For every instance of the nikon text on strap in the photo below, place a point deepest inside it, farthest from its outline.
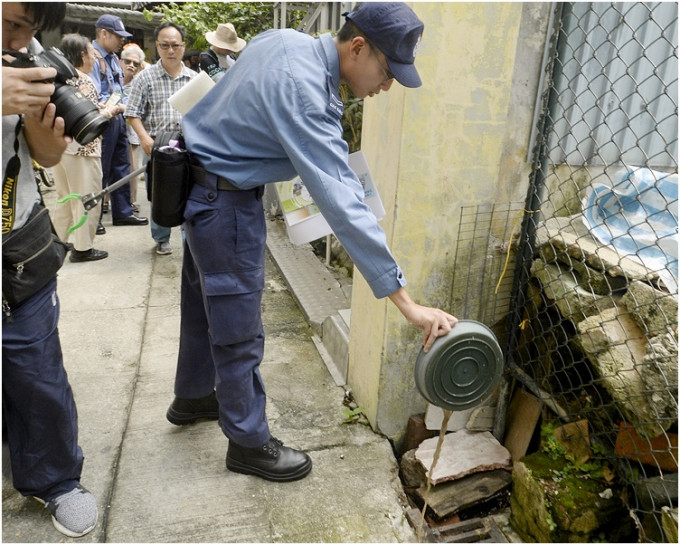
(9, 185)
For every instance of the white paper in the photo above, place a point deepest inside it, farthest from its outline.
(358, 163)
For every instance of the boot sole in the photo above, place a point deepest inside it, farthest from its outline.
(70, 533)
(182, 419)
(238, 467)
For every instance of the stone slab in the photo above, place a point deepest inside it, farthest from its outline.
(462, 453)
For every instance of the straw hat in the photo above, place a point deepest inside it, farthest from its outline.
(225, 37)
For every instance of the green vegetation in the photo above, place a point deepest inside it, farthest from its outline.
(352, 415)
(566, 466)
(351, 121)
(197, 18)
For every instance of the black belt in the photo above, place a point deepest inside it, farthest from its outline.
(198, 174)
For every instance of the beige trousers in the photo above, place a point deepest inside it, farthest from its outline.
(135, 162)
(83, 175)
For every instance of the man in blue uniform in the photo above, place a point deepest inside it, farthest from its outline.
(276, 113)
(107, 75)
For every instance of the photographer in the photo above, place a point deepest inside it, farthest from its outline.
(39, 411)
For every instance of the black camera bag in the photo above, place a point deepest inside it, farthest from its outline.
(170, 183)
(31, 257)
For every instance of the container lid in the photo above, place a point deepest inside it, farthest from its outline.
(462, 368)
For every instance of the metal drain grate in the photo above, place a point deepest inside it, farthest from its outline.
(477, 530)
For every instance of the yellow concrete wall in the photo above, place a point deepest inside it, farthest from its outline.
(450, 143)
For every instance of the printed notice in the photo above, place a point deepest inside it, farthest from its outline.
(304, 220)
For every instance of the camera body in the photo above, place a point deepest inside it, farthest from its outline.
(81, 117)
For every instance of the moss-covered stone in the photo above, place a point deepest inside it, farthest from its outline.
(554, 502)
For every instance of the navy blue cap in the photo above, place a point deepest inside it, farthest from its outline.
(395, 29)
(114, 24)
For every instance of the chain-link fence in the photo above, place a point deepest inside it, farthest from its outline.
(594, 311)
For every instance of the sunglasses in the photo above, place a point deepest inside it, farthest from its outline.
(130, 61)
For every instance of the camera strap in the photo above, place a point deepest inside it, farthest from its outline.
(9, 185)
(100, 61)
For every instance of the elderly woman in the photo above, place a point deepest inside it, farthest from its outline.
(80, 168)
(133, 61)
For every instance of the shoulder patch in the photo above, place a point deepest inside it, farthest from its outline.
(335, 105)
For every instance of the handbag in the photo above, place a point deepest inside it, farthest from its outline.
(31, 257)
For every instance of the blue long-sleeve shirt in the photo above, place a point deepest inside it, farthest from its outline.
(276, 113)
(113, 80)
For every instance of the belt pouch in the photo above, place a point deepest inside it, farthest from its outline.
(31, 257)
(171, 184)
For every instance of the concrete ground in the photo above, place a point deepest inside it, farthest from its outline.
(155, 482)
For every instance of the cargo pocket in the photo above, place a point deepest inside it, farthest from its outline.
(234, 301)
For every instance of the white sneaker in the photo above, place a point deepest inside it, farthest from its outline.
(75, 513)
(163, 248)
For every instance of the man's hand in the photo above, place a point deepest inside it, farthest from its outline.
(144, 137)
(44, 133)
(147, 144)
(433, 321)
(24, 90)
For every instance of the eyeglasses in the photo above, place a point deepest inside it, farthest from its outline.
(174, 47)
(386, 71)
(130, 61)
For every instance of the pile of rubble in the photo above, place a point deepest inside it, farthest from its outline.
(625, 327)
(471, 476)
(619, 320)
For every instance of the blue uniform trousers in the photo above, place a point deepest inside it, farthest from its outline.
(116, 165)
(38, 409)
(221, 335)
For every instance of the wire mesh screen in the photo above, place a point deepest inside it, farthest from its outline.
(593, 332)
(484, 255)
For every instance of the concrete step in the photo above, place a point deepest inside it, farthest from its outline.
(324, 301)
(335, 338)
(312, 285)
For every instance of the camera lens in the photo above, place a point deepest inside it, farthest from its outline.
(81, 117)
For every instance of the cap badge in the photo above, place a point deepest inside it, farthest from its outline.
(415, 48)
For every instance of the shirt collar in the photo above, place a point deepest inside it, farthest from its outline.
(104, 53)
(163, 72)
(331, 57)
(99, 48)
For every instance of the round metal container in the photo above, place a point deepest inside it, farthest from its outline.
(461, 369)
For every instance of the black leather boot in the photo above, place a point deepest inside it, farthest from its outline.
(271, 461)
(187, 411)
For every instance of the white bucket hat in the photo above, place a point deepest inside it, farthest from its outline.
(225, 37)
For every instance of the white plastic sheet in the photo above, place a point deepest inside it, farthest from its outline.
(638, 217)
